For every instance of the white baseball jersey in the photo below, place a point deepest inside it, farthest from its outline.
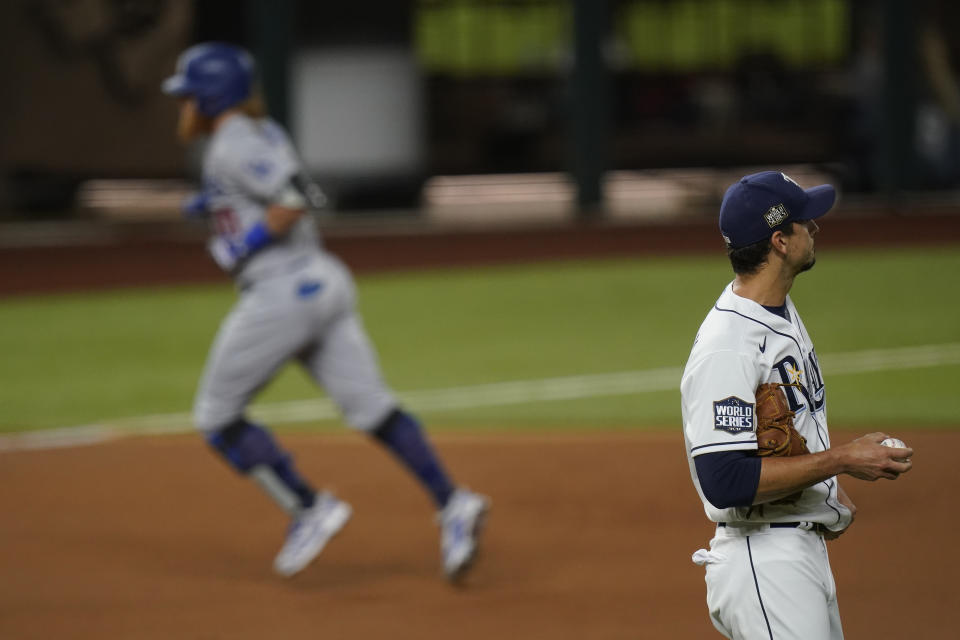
(739, 346)
(762, 581)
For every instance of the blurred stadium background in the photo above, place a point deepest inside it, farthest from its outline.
(528, 190)
(436, 109)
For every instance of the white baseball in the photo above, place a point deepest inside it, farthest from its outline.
(895, 443)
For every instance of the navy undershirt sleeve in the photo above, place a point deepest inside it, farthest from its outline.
(729, 478)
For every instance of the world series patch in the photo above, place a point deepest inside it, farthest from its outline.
(733, 415)
(775, 215)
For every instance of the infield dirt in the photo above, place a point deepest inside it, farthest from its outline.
(590, 537)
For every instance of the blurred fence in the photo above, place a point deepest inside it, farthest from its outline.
(389, 96)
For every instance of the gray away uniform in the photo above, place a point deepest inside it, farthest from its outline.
(296, 300)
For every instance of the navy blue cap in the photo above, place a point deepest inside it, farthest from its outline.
(757, 205)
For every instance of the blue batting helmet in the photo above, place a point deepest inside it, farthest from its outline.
(216, 75)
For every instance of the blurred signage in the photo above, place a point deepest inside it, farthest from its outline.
(470, 37)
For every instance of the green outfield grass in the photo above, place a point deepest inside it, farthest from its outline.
(76, 359)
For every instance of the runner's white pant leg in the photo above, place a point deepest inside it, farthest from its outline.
(774, 584)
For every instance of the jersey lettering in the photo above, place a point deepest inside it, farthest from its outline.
(225, 222)
(791, 373)
(816, 379)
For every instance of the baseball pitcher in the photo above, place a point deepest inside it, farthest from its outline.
(755, 427)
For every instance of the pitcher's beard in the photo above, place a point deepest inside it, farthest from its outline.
(808, 265)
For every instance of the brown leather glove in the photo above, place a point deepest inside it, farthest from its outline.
(776, 435)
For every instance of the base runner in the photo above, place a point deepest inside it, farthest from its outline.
(297, 303)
